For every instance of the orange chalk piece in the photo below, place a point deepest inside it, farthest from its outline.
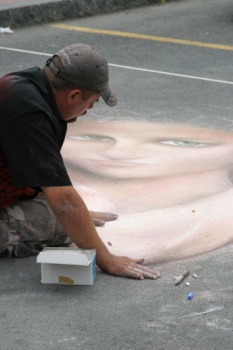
(180, 278)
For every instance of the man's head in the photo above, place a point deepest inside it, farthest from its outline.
(81, 66)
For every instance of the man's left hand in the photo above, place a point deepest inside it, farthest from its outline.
(99, 218)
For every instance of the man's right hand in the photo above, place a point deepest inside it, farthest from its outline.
(123, 266)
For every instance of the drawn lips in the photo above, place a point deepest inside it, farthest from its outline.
(115, 163)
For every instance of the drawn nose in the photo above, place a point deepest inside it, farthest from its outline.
(121, 150)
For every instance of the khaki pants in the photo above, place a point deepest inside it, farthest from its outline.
(28, 226)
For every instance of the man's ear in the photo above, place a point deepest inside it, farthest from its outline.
(73, 96)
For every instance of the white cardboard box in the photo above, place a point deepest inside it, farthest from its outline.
(70, 266)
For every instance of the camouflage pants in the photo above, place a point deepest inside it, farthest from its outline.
(28, 226)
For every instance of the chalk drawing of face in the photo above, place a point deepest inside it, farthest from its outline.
(169, 183)
(137, 149)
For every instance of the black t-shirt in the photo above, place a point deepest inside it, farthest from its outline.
(31, 130)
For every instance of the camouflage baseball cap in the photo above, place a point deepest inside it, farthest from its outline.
(84, 67)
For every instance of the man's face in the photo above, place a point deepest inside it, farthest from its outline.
(80, 104)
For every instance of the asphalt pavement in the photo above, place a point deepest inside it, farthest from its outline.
(172, 62)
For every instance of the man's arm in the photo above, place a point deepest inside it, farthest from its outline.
(73, 215)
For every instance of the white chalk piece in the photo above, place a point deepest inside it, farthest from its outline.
(69, 266)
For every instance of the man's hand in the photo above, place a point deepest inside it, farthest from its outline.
(126, 267)
(99, 218)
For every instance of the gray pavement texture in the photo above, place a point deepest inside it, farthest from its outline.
(18, 13)
(118, 313)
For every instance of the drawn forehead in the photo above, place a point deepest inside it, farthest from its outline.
(114, 129)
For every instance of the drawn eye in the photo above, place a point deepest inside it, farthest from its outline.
(93, 138)
(184, 143)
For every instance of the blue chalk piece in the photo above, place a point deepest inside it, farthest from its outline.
(190, 296)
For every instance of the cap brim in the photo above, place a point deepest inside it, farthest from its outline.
(109, 97)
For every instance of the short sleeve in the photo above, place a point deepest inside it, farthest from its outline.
(31, 145)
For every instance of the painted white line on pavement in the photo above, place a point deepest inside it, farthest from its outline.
(130, 68)
(173, 74)
(25, 51)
